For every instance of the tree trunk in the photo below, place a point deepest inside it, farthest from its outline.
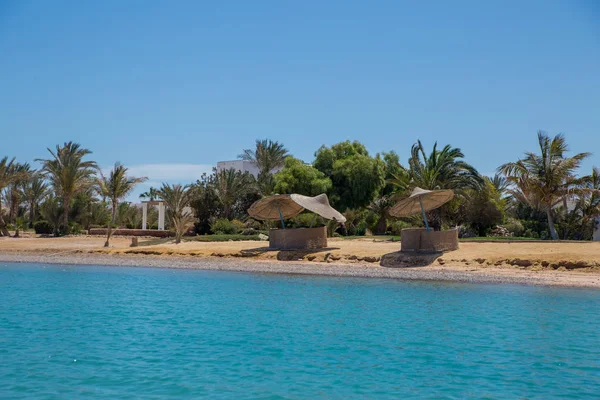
(66, 208)
(381, 226)
(114, 218)
(31, 214)
(551, 227)
(3, 228)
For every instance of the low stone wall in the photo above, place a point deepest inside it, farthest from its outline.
(419, 240)
(132, 232)
(298, 238)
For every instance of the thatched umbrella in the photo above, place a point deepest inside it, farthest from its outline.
(421, 200)
(283, 206)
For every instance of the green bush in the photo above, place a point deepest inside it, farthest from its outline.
(249, 231)
(238, 225)
(515, 227)
(395, 227)
(76, 229)
(223, 226)
(529, 233)
(43, 228)
(306, 220)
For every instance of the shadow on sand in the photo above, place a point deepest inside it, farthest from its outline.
(286, 255)
(400, 259)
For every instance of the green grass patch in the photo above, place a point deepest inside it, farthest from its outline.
(497, 239)
(200, 238)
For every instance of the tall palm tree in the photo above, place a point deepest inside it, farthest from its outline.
(267, 156)
(177, 199)
(150, 195)
(229, 186)
(545, 180)
(52, 211)
(440, 169)
(23, 173)
(116, 186)
(68, 173)
(34, 190)
(7, 178)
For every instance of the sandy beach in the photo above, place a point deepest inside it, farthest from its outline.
(539, 263)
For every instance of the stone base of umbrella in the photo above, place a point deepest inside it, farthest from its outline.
(419, 240)
(425, 240)
(282, 207)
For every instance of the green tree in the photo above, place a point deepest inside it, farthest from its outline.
(34, 190)
(356, 177)
(484, 208)
(150, 195)
(545, 180)
(230, 186)
(116, 186)
(8, 177)
(68, 173)
(52, 211)
(440, 169)
(177, 200)
(22, 174)
(267, 156)
(301, 178)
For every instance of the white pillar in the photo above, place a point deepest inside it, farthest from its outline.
(596, 237)
(144, 216)
(161, 216)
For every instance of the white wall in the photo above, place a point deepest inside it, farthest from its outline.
(241, 165)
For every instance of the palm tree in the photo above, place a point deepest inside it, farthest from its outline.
(23, 173)
(7, 178)
(34, 190)
(545, 180)
(441, 169)
(150, 195)
(68, 173)
(267, 156)
(177, 199)
(229, 186)
(52, 212)
(116, 186)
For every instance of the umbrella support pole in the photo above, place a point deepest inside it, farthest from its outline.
(281, 218)
(313, 220)
(424, 216)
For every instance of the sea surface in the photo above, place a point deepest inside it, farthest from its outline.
(85, 332)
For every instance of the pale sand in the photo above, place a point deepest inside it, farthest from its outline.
(568, 264)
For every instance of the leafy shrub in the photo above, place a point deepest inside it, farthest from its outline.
(238, 225)
(466, 232)
(76, 229)
(395, 227)
(529, 233)
(223, 226)
(306, 220)
(515, 227)
(43, 228)
(249, 231)
(252, 223)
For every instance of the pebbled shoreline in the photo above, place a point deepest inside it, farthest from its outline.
(430, 273)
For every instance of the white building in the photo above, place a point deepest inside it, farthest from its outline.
(242, 166)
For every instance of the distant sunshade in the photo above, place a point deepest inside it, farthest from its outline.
(430, 199)
(289, 205)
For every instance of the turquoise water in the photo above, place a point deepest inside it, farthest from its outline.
(108, 333)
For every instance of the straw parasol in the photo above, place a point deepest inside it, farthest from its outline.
(319, 205)
(273, 208)
(421, 200)
(283, 206)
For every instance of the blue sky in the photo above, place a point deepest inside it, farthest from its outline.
(170, 88)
